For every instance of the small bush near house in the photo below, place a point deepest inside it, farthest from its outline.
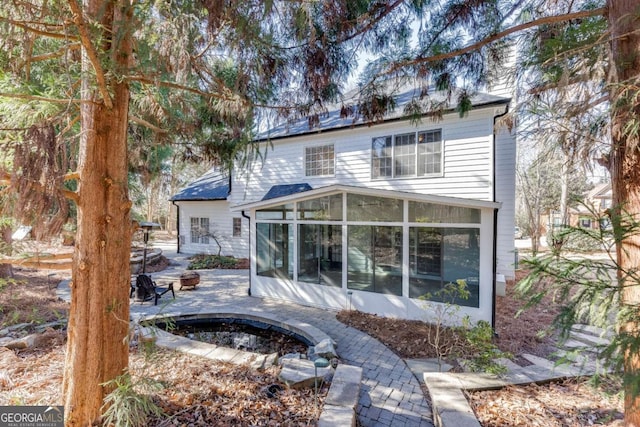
(206, 262)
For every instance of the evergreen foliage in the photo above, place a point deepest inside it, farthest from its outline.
(590, 288)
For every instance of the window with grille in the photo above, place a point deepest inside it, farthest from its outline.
(407, 155)
(319, 161)
(200, 230)
(237, 227)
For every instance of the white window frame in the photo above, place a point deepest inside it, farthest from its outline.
(197, 225)
(327, 166)
(237, 227)
(428, 159)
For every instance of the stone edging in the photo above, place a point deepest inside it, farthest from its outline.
(309, 332)
(450, 405)
(340, 405)
(343, 395)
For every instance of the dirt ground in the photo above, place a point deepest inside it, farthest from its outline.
(530, 332)
(204, 393)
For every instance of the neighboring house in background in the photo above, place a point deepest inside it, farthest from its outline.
(371, 217)
(586, 215)
(589, 214)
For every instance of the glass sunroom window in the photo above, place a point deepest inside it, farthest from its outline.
(328, 208)
(320, 254)
(444, 255)
(375, 259)
(435, 213)
(371, 208)
(276, 212)
(274, 250)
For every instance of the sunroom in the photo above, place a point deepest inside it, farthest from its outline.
(395, 254)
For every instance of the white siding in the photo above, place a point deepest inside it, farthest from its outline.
(220, 223)
(506, 194)
(466, 172)
(467, 168)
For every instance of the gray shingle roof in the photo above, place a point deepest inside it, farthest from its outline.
(210, 186)
(286, 190)
(404, 94)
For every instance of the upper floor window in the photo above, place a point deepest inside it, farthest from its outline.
(200, 230)
(319, 160)
(410, 154)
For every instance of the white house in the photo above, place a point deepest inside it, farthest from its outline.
(377, 218)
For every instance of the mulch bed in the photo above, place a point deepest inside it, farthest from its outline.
(568, 403)
(202, 392)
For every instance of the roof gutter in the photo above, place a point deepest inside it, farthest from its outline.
(173, 202)
(250, 272)
(359, 125)
(495, 224)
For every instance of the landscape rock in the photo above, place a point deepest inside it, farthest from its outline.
(28, 341)
(289, 356)
(325, 348)
(301, 373)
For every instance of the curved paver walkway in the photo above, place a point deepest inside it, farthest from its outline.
(390, 395)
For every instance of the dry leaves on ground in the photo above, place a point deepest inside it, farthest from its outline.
(195, 391)
(29, 297)
(202, 392)
(528, 333)
(569, 403)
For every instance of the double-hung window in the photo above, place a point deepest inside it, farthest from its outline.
(200, 230)
(407, 155)
(429, 152)
(319, 160)
(237, 227)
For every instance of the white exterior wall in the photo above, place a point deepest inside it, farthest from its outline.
(467, 169)
(220, 222)
(467, 160)
(506, 194)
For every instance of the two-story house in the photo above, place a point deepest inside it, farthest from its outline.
(378, 218)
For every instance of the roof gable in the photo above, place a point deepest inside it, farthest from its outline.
(286, 190)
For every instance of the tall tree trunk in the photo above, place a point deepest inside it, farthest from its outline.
(6, 270)
(625, 174)
(97, 348)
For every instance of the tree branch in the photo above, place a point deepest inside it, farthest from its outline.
(164, 83)
(147, 124)
(92, 55)
(498, 36)
(60, 52)
(44, 99)
(24, 26)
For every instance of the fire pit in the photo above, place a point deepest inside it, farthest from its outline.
(189, 280)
